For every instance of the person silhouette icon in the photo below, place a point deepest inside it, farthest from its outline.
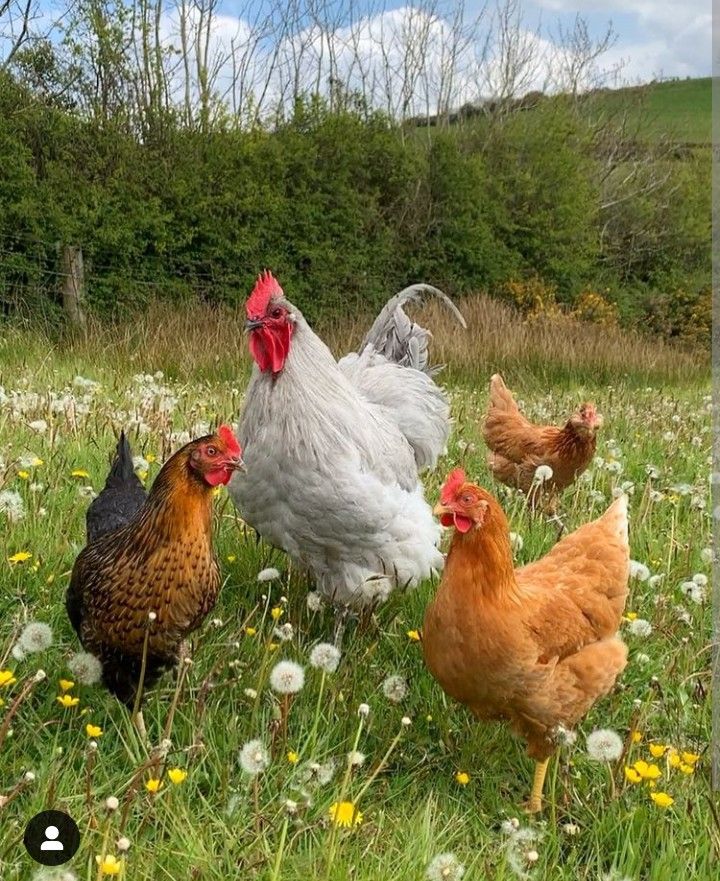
(52, 837)
(52, 833)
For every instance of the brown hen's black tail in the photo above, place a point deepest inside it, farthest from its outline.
(121, 498)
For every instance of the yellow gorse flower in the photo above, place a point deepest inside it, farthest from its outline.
(462, 778)
(66, 685)
(109, 865)
(177, 775)
(67, 701)
(344, 813)
(414, 635)
(93, 730)
(7, 677)
(20, 557)
(79, 472)
(662, 799)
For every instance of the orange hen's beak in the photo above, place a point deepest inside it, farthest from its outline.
(441, 509)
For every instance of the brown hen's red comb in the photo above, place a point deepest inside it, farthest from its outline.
(225, 433)
(266, 287)
(452, 484)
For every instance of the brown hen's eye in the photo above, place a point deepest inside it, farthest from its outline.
(211, 451)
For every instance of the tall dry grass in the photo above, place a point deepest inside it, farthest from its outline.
(204, 341)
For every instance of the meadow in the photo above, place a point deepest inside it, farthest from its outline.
(426, 779)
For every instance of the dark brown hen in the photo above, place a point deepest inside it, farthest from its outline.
(161, 561)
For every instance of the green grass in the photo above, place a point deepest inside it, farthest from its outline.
(214, 825)
(679, 110)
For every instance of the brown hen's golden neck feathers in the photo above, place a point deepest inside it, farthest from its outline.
(480, 560)
(180, 500)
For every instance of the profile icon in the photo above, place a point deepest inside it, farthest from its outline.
(52, 838)
(52, 833)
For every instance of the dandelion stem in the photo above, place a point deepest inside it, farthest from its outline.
(310, 742)
(16, 704)
(341, 798)
(380, 766)
(281, 849)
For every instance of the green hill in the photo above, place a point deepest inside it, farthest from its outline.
(680, 110)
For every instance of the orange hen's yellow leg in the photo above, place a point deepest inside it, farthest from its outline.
(534, 803)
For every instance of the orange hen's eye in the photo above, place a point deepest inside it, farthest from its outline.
(467, 499)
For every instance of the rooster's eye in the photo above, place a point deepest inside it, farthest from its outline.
(276, 313)
(211, 451)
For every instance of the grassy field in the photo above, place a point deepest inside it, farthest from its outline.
(678, 110)
(62, 404)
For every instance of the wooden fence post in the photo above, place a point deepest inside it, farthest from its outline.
(73, 286)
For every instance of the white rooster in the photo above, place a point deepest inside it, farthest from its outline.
(333, 449)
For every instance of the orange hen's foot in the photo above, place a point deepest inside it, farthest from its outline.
(534, 804)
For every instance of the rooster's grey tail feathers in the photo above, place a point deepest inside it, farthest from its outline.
(398, 338)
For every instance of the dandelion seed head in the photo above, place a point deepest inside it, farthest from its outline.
(543, 473)
(640, 627)
(86, 668)
(12, 505)
(269, 574)
(314, 601)
(287, 677)
(36, 637)
(395, 689)
(700, 578)
(356, 759)
(254, 758)
(604, 745)
(445, 867)
(123, 844)
(639, 571)
(325, 656)
(112, 803)
(284, 632)
(364, 710)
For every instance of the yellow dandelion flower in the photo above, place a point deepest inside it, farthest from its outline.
(79, 472)
(231, 558)
(686, 769)
(153, 785)
(344, 813)
(690, 758)
(50, 579)
(20, 557)
(143, 475)
(273, 646)
(632, 776)
(647, 771)
(636, 736)
(7, 678)
(93, 730)
(293, 757)
(109, 865)
(662, 799)
(428, 718)
(24, 475)
(66, 685)
(674, 758)
(151, 457)
(631, 616)
(67, 701)
(276, 612)
(657, 750)
(462, 778)
(177, 775)
(37, 462)
(413, 635)
(250, 631)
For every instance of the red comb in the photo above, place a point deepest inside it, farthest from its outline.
(266, 287)
(452, 484)
(225, 433)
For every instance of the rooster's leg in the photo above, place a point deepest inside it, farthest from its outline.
(534, 804)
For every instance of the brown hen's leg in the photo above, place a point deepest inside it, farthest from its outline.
(534, 804)
(139, 723)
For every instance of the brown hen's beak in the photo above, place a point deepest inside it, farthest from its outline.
(441, 509)
(253, 324)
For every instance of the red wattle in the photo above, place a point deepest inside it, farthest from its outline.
(218, 476)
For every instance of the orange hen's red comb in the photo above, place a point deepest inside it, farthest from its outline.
(266, 287)
(225, 433)
(452, 484)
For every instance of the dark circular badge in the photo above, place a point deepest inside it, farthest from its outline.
(52, 838)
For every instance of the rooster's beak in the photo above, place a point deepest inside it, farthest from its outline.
(253, 324)
(441, 509)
